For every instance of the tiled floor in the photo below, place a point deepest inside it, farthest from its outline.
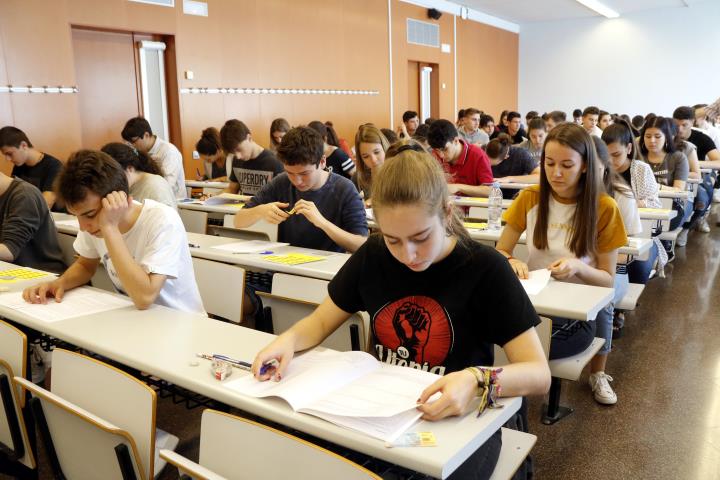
(666, 367)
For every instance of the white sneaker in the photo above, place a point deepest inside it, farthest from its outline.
(703, 226)
(682, 238)
(603, 392)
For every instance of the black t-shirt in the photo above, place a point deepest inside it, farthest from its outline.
(42, 175)
(519, 137)
(339, 162)
(703, 143)
(442, 319)
(217, 171)
(626, 175)
(519, 162)
(253, 174)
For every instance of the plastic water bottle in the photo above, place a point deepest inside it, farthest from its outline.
(495, 207)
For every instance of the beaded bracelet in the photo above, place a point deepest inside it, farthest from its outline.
(488, 387)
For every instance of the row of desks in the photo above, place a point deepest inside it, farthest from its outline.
(163, 342)
(575, 301)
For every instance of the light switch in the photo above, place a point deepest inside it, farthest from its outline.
(189, 74)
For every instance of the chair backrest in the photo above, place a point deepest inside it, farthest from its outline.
(13, 361)
(286, 312)
(261, 226)
(66, 242)
(195, 221)
(84, 443)
(221, 288)
(253, 447)
(110, 394)
(544, 331)
(300, 288)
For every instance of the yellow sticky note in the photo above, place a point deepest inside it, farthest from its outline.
(482, 200)
(19, 274)
(476, 226)
(292, 258)
(236, 205)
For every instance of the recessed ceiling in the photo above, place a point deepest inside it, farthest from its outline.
(530, 11)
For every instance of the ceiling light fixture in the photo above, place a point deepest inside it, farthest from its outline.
(600, 8)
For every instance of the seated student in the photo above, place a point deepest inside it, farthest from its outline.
(395, 277)
(460, 118)
(313, 207)
(278, 128)
(514, 128)
(536, 138)
(638, 174)
(702, 123)
(336, 160)
(554, 118)
(590, 118)
(467, 165)
(390, 135)
(410, 122)
(30, 164)
(620, 191)
(574, 229)
(470, 129)
(637, 123)
(502, 127)
(511, 164)
(143, 246)
(209, 147)
(370, 145)
(577, 116)
(530, 115)
(421, 137)
(336, 141)
(604, 119)
(669, 165)
(27, 232)
(144, 176)
(487, 124)
(253, 166)
(138, 133)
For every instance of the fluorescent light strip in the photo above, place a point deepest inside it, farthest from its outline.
(36, 90)
(275, 91)
(600, 8)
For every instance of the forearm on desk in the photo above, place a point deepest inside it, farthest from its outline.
(246, 217)
(5, 253)
(79, 273)
(349, 241)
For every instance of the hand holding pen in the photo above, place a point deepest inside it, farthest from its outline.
(272, 361)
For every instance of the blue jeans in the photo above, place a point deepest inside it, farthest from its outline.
(570, 337)
(703, 200)
(639, 270)
(684, 209)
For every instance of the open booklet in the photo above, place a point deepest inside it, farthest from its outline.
(351, 389)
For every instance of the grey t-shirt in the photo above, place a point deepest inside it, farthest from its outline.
(255, 173)
(477, 137)
(155, 188)
(337, 200)
(28, 230)
(673, 167)
(535, 153)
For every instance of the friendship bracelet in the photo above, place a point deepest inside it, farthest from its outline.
(488, 387)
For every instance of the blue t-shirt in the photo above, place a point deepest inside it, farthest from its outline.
(337, 200)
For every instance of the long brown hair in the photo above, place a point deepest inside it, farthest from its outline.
(367, 133)
(410, 176)
(583, 240)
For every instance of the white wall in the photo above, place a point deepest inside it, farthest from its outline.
(647, 61)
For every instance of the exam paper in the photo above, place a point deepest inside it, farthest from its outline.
(536, 281)
(70, 222)
(76, 303)
(249, 246)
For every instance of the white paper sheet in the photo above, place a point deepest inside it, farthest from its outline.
(76, 303)
(249, 246)
(71, 222)
(537, 280)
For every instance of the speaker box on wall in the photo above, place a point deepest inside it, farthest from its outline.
(434, 13)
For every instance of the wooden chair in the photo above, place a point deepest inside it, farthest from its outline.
(252, 454)
(116, 397)
(222, 288)
(15, 444)
(79, 444)
(292, 298)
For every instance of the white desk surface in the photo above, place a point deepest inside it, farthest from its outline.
(206, 184)
(163, 342)
(476, 202)
(228, 209)
(323, 269)
(665, 214)
(674, 194)
(635, 245)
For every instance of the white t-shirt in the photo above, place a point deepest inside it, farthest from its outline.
(158, 243)
(169, 158)
(595, 131)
